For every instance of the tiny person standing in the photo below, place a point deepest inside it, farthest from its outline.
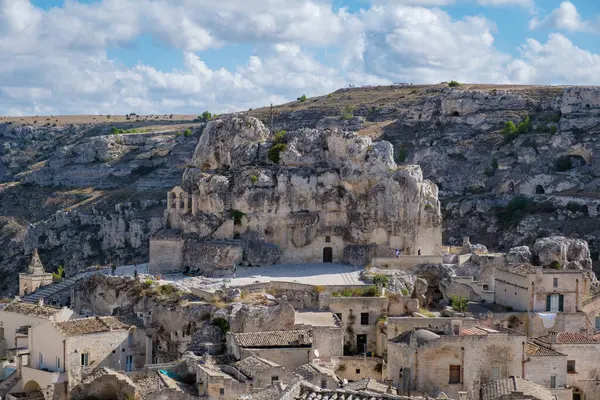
(397, 253)
(234, 270)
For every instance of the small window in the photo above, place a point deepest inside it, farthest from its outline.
(456, 329)
(58, 363)
(327, 239)
(358, 370)
(486, 287)
(2, 333)
(364, 318)
(41, 360)
(274, 379)
(454, 374)
(495, 373)
(323, 383)
(339, 315)
(597, 322)
(84, 359)
(221, 391)
(553, 382)
(571, 366)
(555, 283)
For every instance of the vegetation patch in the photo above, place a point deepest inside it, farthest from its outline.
(459, 304)
(302, 98)
(347, 112)
(512, 131)
(369, 291)
(453, 84)
(274, 153)
(237, 216)
(222, 324)
(400, 153)
(381, 280)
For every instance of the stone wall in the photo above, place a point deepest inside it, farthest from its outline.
(290, 358)
(586, 358)
(328, 341)
(476, 355)
(405, 261)
(357, 368)
(539, 369)
(512, 290)
(399, 325)
(165, 255)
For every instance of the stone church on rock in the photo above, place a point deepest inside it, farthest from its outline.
(257, 198)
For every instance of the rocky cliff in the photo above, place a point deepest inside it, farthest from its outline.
(503, 185)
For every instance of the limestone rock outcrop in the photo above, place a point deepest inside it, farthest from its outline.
(573, 253)
(306, 195)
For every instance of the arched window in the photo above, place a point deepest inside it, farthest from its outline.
(327, 239)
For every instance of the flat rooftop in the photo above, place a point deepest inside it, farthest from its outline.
(315, 319)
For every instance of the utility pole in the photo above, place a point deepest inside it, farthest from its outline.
(272, 119)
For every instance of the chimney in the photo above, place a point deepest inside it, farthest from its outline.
(41, 302)
(552, 337)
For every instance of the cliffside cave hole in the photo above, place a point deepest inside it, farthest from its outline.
(577, 160)
(511, 187)
(539, 189)
(327, 254)
(455, 114)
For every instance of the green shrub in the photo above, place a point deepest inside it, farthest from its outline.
(237, 216)
(178, 133)
(147, 283)
(515, 210)
(279, 136)
(400, 154)
(381, 279)
(404, 291)
(187, 132)
(453, 84)
(369, 291)
(555, 265)
(167, 290)
(459, 304)
(274, 152)
(524, 126)
(205, 117)
(553, 129)
(347, 112)
(59, 274)
(563, 163)
(222, 324)
(254, 178)
(302, 98)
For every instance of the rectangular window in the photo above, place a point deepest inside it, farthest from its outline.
(274, 379)
(597, 322)
(456, 329)
(222, 391)
(555, 283)
(364, 318)
(1, 333)
(495, 373)
(323, 384)
(555, 302)
(58, 363)
(553, 382)
(84, 359)
(571, 366)
(41, 360)
(454, 374)
(339, 315)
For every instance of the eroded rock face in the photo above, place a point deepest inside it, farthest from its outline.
(518, 255)
(327, 195)
(565, 251)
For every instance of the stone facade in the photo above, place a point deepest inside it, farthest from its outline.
(424, 361)
(329, 199)
(35, 277)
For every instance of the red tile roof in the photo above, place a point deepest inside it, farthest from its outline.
(567, 338)
(477, 331)
(300, 338)
(534, 349)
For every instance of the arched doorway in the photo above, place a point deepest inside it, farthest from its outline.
(576, 393)
(327, 254)
(31, 386)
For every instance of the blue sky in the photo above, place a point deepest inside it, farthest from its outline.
(181, 56)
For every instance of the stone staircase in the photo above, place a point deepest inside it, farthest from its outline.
(48, 291)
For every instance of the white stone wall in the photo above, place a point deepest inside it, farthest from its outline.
(512, 290)
(46, 339)
(570, 285)
(165, 255)
(374, 306)
(587, 361)
(430, 363)
(290, 358)
(329, 342)
(357, 368)
(539, 369)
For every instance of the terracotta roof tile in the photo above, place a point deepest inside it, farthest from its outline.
(502, 387)
(299, 338)
(477, 331)
(32, 310)
(534, 349)
(85, 326)
(566, 338)
(252, 365)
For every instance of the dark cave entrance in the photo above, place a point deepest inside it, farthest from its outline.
(539, 189)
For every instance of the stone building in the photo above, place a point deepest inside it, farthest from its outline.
(583, 361)
(35, 276)
(62, 354)
(16, 318)
(432, 362)
(327, 196)
(514, 388)
(548, 368)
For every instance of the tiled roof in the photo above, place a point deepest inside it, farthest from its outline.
(85, 326)
(501, 387)
(300, 338)
(368, 385)
(477, 331)
(273, 392)
(32, 310)
(534, 349)
(309, 392)
(566, 338)
(252, 365)
(311, 370)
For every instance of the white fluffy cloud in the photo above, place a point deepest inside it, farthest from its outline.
(55, 61)
(565, 17)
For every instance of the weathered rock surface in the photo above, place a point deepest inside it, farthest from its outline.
(518, 255)
(566, 251)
